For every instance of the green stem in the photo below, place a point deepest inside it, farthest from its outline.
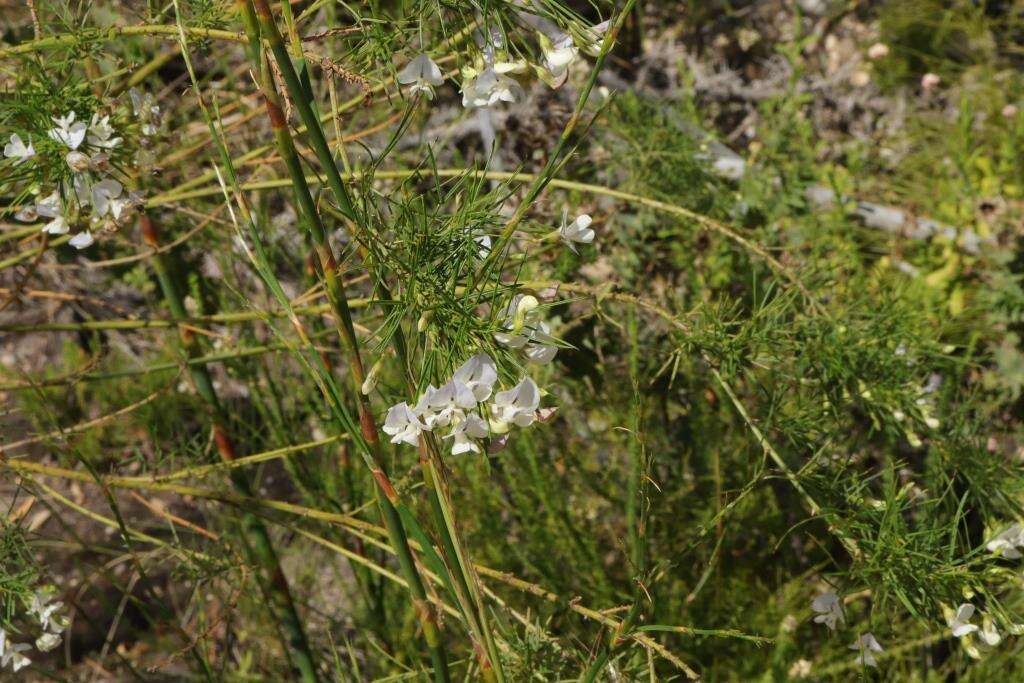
(257, 538)
(371, 451)
(318, 142)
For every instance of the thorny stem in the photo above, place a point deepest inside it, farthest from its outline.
(258, 543)
(372, 453)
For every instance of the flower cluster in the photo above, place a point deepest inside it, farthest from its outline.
(47, 613)
(488, 81)
(88, 195)
(459, 406)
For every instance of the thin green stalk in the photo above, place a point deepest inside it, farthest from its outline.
(257, 538)
(372, 452)
(300, 96)
(271, 34)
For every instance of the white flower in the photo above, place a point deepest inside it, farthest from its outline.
(402, 424)
(82, 240)
(50, 207)
(559, 53)
(464, 433)
(540, 348)
(866, 645)
(101, 133)
(829, 608)
(525, 331)
(104, 196)
(516, 406)
(423, 74)
(441, 407)
(959, 621)
(988, 632)
(577, 231)
(489, 87)
(57, 226)
(16, 149)
(10, 653)
(479, 374)
(14, 657)
(1007, 543)
(518, 314)
(68, 131)
(47, 642)
(145, 110)
(45, 610)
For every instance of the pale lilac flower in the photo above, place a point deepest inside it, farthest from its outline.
(479, 374)
(578, 230)
(68, 131)
(14, 657)
(82, 240)
(50, 207)
(559, 53)
(516, 406)
(423, 74)
(1009, 111)
(1008, 543)
(441, 407)
(484, 245)
(866, 645)
(403, 425)
(27, 214)
(488, 88)
(144, 108)
(959, 622)
(930, 81)
(540, 347)
(101, 133)
(45, 610)
(591, 38)
(465, 432)
(829, 607)
(104, 196)
(18, 150)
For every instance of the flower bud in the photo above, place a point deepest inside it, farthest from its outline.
(370, 383)
(523, 308)
(77, 161)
